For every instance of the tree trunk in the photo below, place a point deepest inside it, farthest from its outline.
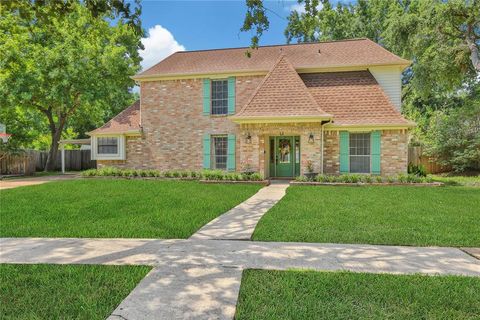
(56, 134)
(52, 153)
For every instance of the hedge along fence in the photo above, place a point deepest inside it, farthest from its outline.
(209, 175)
(351, 179)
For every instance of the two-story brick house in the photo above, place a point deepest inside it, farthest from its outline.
(334, 105)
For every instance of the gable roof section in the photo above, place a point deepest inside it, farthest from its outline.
(281, 95)
(354, 98)
(127, 121)
(344, 53)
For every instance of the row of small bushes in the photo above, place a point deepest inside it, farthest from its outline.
(196, 175)
(361, 178)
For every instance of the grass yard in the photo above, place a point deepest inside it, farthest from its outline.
(395, 215)
(456, 180)
(64, 291)
(110, 208)
(341, 295)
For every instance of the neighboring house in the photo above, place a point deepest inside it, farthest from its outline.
(334, 105)
(4, 136)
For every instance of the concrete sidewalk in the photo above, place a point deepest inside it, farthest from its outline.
(240, 222)
(200, 279)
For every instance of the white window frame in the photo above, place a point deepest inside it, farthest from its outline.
(120, 155)
(369, 155)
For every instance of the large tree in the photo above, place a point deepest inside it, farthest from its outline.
(66, 60)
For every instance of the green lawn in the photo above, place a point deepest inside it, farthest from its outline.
(396, 215)
(341, 295)
(456, 180)
(110, 208)
(64, 291)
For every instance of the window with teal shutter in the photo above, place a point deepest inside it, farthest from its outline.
(206, 151)
(206, 96)
(344, 152)
(231, 95)
(375, 155)
(231, 152)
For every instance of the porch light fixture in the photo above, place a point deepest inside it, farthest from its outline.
(248, 139)
(311, 138)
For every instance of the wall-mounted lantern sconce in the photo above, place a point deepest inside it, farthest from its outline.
(282, 133)
(248, 138)
(311, 138)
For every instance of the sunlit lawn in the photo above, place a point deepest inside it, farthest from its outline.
(109, 208)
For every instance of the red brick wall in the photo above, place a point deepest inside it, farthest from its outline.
(173, 124)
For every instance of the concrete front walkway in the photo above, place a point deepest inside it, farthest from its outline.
(200, 279)
(239, 223)
(30, 181)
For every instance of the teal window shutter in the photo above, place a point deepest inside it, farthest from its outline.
(206, 151)
(344, 152)
(231, 152)
(207, 87)
(231, 95)
(375, 151)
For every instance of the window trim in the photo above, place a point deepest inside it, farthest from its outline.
(213, 156)
(211, 98)
(369, 155)
(119, 155)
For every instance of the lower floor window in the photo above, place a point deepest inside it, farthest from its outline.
(107, 145)
(359, 152)
(219, 152)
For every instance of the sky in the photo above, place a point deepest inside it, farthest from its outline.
(195, 25)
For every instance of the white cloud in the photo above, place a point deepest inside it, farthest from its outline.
(159, 44)
(300, 7)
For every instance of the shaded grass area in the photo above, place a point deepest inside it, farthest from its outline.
(472, 180)
(395, 215)
(101, 208)
(65, 291)
(341, 295)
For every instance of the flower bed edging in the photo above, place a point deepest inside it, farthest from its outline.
(363, 184)
(260, 182)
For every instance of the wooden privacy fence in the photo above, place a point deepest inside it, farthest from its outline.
(416, 157)
(21, 163)
(29, 161)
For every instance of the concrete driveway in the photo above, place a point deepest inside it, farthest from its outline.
(30, 181)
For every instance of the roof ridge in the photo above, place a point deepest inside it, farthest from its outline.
(273, 45)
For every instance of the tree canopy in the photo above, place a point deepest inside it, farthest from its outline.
(67, 63)
(442, 38)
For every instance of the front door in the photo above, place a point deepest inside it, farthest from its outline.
(284, 156)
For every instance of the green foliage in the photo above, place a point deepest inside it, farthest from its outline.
(194, 175)
(418, 170)
(66, 63)
(366, 179)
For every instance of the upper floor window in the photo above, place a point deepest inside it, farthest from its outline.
(107, 145)
(219, 97)
(360, 152)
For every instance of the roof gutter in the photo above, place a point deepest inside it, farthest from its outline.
(277, 119)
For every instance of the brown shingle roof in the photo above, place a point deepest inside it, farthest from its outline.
(353, 98)
(345, 53)
(126, 121)
(282, 93)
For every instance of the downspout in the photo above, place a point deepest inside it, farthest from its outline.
(321, 144)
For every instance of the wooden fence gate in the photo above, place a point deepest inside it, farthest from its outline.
(29, 161)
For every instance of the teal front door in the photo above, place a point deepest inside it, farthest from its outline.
(284, 156)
